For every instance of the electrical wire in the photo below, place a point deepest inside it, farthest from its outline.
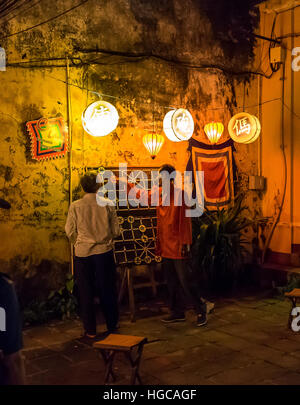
(274, 66)
(80, 64)
(292, 111)
(46, 21)
(186, 64)
(21, 12)
(18, 4)
(132, 58)
(100, 94)
(7, 4)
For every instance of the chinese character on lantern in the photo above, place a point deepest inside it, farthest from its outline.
(178, 125)
(244, 128)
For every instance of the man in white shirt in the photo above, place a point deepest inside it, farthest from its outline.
(92, 228)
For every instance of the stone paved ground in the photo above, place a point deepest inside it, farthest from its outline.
(245, 342)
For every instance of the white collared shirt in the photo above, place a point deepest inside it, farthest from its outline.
(91, 227)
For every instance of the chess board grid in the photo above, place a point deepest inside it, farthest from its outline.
(131, 250)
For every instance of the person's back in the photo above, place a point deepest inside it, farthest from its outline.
(173, 229)
(92, 224)
(94, 229)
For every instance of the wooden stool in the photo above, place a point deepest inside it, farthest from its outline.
(294, 296)
(131, 346)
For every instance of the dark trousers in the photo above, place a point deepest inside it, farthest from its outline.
(96, 276)
(178, 273)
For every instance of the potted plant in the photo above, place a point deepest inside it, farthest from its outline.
(219, 246)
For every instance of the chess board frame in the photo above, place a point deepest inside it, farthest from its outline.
(136, 245)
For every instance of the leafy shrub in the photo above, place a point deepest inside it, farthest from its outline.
(60, 304)
(219, 246)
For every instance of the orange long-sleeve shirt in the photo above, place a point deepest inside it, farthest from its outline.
(174, 229)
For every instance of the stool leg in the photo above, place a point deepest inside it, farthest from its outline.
(290, 314)
(290, 320)
(135, 364)
(108, 357)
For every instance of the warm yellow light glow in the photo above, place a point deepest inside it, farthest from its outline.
(244, 128)
(214, 131)
(178, 125)
(153, 143)
(100, 118)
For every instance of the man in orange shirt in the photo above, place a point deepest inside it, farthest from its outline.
(174, 237)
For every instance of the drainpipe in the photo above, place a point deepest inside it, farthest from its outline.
(69, 120)
(292, 137)
(282, 147)
(259, 147)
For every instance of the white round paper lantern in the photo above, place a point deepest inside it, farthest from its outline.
(100, 118)
(178, 125)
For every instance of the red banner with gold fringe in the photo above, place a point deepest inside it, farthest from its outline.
(217, 163)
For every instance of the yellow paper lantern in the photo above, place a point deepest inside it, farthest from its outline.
(178, 125)
(153, 143)
(214, 131)
(244, 128)
(100, 118)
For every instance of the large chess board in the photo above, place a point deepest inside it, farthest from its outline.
(136, 245)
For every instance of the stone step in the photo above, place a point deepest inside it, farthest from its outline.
(273, 274)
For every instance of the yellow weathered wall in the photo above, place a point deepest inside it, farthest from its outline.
(33, 246)
(287, 233)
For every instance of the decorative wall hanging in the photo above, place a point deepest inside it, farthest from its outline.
(153, 143)
(217, 163)
(49, 138)
(214, 131)
(100, 118)
(178, 125)
(244, 128)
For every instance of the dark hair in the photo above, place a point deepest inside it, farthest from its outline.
(88, 183)
(167, 168)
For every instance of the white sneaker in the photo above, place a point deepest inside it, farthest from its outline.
(209, 307)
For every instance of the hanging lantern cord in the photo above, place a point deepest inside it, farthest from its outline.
(96, 92)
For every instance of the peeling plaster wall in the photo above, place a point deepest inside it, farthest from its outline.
(33, 246)
(285, 242)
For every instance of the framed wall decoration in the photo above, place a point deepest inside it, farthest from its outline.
(49, 138)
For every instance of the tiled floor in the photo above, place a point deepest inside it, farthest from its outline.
(246, 341)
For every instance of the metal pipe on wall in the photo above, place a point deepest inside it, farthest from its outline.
(292, 136)
(69, 120)
(282, 147)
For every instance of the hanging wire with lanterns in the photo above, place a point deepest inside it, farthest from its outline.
(101, 118)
